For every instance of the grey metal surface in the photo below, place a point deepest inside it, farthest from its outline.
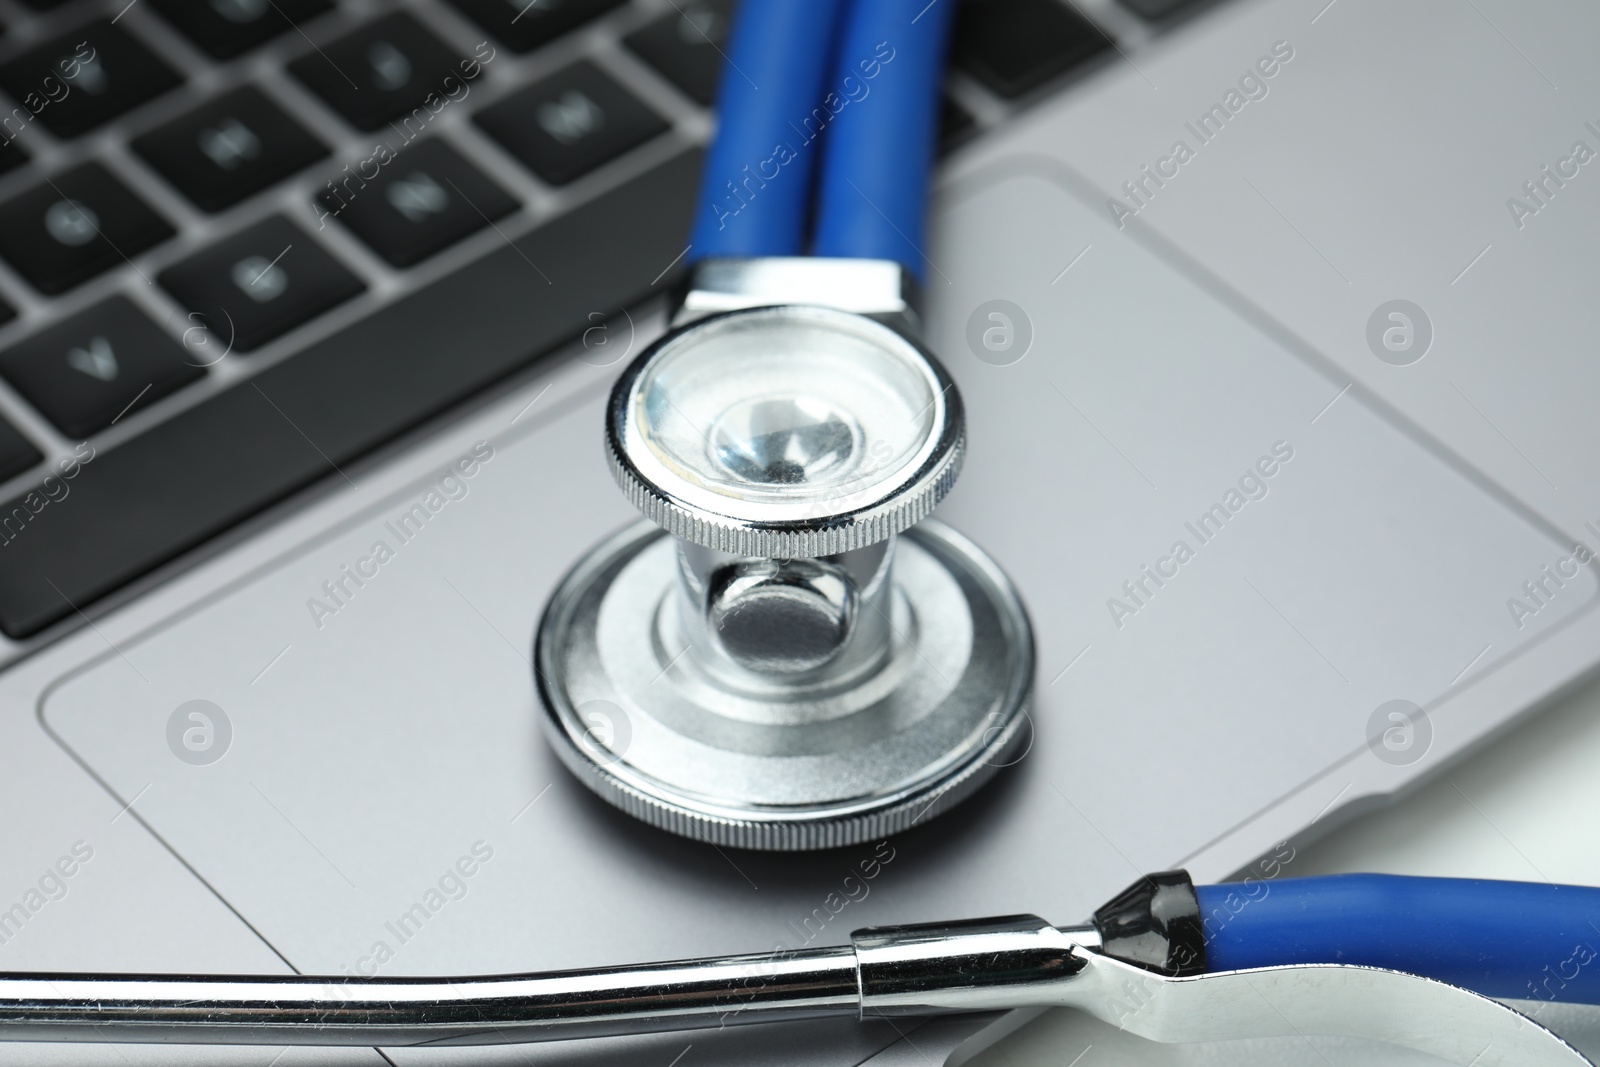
(403, 731)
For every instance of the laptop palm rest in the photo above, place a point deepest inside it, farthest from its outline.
(1233, 564)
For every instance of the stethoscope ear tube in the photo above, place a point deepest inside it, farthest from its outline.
(1510, 940)
(873, 191)
(755, 191)
(828, 116)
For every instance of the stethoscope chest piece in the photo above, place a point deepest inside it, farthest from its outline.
(784, 656)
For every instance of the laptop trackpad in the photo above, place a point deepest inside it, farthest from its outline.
(1231, 562)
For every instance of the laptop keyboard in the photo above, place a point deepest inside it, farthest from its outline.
(568, 137)
(229, 28)
(75, 225)
(523, 27)
(1015, 46)
(98, 381)
(229, 148)
(87, 77)
(381, 72)
(246, 242)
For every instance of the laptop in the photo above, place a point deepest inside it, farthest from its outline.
(1274, 324)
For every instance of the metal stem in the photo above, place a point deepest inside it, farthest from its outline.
(906, 971)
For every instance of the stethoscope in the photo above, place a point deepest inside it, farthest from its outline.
(786, 654)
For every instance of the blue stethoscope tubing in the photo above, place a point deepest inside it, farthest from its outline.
(1509, 940)
(828, 119)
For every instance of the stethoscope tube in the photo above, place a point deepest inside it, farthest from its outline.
(843, 96)
(1510, 940)
(850, 87)
(828, 115)
(873, 190)
(755, 190)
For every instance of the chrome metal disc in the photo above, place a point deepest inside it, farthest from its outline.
(633, 713)
(786, 431)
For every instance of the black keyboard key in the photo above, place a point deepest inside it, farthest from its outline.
(1014, 46)
(956, 124)
(524, 25)
(1154, 9)
(215, 464)
(16, 456)
(11, 154)
(230, 148)
(388, 68)
(227, 28)
(259, 283)
(686, 46)
(424, 200)
(74, 226)
(570, 123)
(105, 70)
(89, 371)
